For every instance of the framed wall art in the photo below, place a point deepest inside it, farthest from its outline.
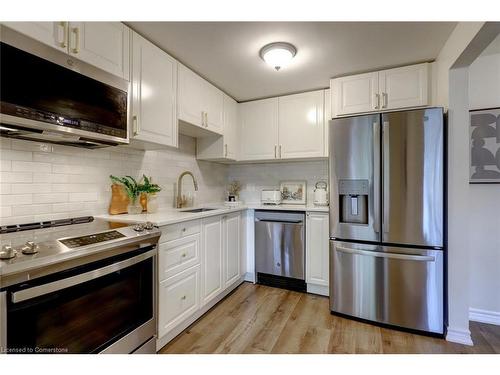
(484, 146)
(293, 192)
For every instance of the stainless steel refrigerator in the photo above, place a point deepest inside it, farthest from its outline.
(387, 218)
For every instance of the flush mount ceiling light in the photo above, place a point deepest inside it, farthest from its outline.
(278, 54)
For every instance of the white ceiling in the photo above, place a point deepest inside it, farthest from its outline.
(227, 53)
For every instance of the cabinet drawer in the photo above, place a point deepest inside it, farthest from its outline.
(178, 255)
(176, 231)
(178, 298)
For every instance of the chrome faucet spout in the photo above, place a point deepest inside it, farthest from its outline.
(181, 200)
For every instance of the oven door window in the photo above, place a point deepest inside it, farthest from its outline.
(85, 318)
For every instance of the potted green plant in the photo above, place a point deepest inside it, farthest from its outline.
(150, 189)
(133, 190)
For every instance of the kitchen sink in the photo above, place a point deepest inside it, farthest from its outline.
(197, 210)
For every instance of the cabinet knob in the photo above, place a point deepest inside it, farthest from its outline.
(184, 255)
(278, 264)
(183, 297)
(183, 229)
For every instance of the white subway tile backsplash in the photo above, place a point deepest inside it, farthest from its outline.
(16, 155)
(5, 188)
(50, 198)
(68, 207)
(16, 177)
(82, 197)
(15, 199)
(5, 165)
(30, 166)
(5, 212)
(30, 188)
(31, 209)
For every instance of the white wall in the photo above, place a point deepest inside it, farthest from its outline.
(484, 200)
(43, 182)
(255, 177)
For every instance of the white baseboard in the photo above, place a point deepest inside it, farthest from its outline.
(484, 316)
(318, 289)
(460, 336)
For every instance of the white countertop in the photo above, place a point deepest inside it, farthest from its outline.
(173, 216)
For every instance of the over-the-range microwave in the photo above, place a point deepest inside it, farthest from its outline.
(47, 95)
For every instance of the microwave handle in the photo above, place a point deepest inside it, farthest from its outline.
(54, 286)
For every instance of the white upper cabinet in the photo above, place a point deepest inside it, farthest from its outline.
(104, 45)
(53, 34)
(223, 147)
(259, 129)
(355, 94)
(154, 88)
(301, 125)
(404, 87)
(389, 89)
(200, 103)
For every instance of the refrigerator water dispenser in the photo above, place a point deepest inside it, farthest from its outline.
(353, 201)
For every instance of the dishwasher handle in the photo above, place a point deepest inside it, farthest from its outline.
(280, 221)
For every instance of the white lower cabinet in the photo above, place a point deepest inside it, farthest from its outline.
(232, 248)
(199, 262)
(317, 253)
(212, 257)
(178, 299)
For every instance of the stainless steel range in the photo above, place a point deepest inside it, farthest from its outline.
(79, 285)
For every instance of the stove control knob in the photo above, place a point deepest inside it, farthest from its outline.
(30, 248)
(138, 227)
(149, 225)
(7, 252)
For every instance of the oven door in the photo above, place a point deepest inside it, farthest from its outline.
(105, 306)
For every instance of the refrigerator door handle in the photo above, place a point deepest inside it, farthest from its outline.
(418, 258)
(376, 177)
(386, 177)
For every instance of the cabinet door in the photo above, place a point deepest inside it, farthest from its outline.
(178, 298)
(213, 100)
(191, 89)
(102, 44)
(317, 253)
(355, 94)
(53, 34)
(232, 246)
(328, 117)
(154, 87)
(404, 87)
(301, 125)
(259, 129)
(230, 128)
(212, 258)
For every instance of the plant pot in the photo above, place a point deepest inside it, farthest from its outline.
(134, 208)
(144, 201)
(119, 200)
(152, 203)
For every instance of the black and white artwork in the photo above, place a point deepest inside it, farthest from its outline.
(485, 146)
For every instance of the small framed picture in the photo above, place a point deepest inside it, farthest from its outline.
(293, 192)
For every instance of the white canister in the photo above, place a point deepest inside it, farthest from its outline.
(321, 194)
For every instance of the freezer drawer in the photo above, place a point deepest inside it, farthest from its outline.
(392, 285)
(279, 244)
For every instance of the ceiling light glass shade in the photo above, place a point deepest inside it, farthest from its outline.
(278, 55)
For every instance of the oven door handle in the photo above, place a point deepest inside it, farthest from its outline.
(54, 286)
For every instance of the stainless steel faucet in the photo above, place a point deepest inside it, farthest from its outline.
(181, 200)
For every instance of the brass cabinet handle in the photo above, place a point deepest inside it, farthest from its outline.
(134, 125)
(64, 42)
(377, 101)
(384, 100)
(275, 147)
(206, 119)
(76, 33)
(280, 151)
(225, 150)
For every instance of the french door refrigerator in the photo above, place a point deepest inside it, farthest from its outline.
(387, 218)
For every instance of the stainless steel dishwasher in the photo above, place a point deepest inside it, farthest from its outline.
(279, 249)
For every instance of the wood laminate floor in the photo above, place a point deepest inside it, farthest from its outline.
(261, 319)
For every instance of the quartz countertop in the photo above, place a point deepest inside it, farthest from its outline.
(173, 216)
